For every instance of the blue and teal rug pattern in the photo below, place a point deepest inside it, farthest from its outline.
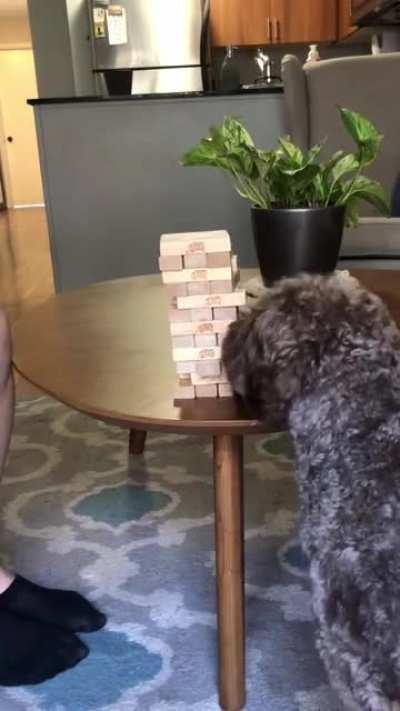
(137, 538)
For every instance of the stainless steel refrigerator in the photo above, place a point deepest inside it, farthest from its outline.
(150, 46)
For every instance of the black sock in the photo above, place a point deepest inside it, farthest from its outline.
(61, 608)
(31, 652)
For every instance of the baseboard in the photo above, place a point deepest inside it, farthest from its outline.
(24, 207)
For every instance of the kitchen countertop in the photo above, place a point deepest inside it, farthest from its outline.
(273, 89)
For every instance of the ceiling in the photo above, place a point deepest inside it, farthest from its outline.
(13, 8)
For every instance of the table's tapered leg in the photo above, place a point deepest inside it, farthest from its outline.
(137, 439)
(229, 544)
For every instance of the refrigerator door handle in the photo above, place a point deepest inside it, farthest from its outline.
(205, 46)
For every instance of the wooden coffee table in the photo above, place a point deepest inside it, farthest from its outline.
(105, 350)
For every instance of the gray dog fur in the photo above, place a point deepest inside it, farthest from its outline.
(321, 355)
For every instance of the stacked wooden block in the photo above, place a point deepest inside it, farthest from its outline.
(201, 276)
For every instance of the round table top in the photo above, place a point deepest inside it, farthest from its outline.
(105, 350)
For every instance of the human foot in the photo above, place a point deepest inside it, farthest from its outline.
(62, 608)
(32, 652)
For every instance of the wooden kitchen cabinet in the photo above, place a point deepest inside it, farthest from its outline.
(345, 27)
(306, 21)
(239, 22)
(260, 22)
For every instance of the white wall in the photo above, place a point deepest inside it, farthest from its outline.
(14, 32)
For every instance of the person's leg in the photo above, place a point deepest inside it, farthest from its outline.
(6, 413)
(21, 638)
(63, 608)
(24, 606)
(6, 389)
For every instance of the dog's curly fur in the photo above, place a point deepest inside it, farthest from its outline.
(322, 356)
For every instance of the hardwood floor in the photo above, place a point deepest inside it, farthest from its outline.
(26, 276)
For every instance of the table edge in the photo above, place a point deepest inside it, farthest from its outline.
(214, 428)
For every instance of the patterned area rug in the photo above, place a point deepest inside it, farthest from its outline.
(137, 538)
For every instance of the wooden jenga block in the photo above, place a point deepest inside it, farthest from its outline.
(195, 261)
(197, 379)
(182, 329)
(186, 342)
(225, 390)
(174, 290)
(225, 287)
(201, 276)
(185, 275)
(203, 339)
(194, 288)
(206, 390)
(208, 367)
(212, 326)
(202, 314)
(187, 354)
(185, 392)
(170, 263)
(221, 287)
(192, 242)
(225, 313)
(183, 367)
(175, 315)
(236, 298)
(219, 259)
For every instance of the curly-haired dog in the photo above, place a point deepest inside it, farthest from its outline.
(322, 355)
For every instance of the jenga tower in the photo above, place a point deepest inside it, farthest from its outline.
(201, 276)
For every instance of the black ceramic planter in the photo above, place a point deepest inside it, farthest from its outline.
(292, 241)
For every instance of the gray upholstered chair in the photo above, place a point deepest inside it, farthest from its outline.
(367, 84)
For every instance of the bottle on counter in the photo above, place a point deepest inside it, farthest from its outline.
(313, 54)
(263, 66)
(375, 45)
(229, 78)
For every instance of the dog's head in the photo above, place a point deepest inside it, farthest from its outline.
(297, 329)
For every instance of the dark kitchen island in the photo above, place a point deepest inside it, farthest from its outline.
(113, 183)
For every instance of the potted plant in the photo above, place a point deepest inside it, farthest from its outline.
(300, 203)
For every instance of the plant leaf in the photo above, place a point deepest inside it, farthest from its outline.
(287, 177)
(202, 154)
(364, 133)
(346, 164)
(367, 152)
(235, 132)
(292, 152)
(313, 153)
(352, 215)
(332, 161)
(302, 177)
(319, 189)
(369, 190)
(360, 128)
(217, 138)
(245, 161)
(264, 160)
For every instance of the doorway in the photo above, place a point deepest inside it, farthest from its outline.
(19, 152)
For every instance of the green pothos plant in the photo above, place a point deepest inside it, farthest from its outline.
(287, 177)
